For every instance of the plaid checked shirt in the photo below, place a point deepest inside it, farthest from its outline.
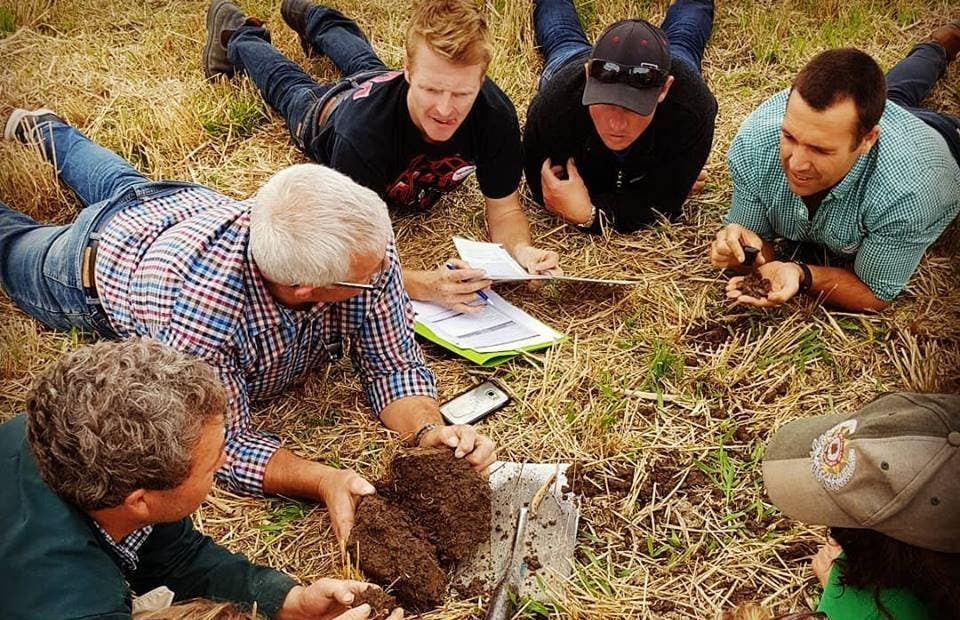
(176, 267)
(127, 551)
(895, 201)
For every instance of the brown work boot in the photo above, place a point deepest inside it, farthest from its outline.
(949, 37)
(294, 12)
(223, 19)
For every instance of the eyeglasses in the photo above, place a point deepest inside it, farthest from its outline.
(643, 76)
(376, 280)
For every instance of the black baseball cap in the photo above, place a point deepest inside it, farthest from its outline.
(630, 45)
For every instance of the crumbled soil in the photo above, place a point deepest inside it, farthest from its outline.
(532, 562)
(449, 499)
(590, 482)
(381, 603)
(393, 549)
(433, 510)
(753, 285)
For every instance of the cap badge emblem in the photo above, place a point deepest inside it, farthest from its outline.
(831, 459)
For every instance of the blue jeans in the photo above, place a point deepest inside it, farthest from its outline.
(41, 266)
(909, 82)
(561, 39)
(287, 87)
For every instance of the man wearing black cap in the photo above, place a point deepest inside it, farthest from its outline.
(619, 132)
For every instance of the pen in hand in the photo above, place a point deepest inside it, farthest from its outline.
(480, 293)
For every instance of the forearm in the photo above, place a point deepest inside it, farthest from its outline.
(415, 282)
(292, 476)
(507, 223)
(843, 289)
(408, 415)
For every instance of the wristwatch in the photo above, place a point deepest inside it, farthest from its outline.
(807, 281)
(586, 226)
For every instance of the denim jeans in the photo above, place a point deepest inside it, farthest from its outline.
(561, 39)
(40, 265)
(283, 84)
(909, 82)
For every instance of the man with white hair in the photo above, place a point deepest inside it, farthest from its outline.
(265, 290)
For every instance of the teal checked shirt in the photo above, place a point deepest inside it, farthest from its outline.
(892, 205)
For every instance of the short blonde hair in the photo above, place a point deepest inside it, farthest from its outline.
(454, 29)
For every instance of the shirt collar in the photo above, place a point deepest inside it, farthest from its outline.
(127, 550)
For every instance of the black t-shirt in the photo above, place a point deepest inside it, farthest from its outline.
(653, 176)
(371, 138)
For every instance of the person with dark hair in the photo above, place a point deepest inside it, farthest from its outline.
(411, 135)
(844, 168)
(886, 479)
(618, 133)
(118, 447)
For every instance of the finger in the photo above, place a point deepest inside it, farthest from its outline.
(572, 172)
(359, 486)
(456, 263)
(546, 172)
(468, 288)
(467, 308)
(464, 275)
(483, 455)
(361, 612)
(397, 614)
(753, 301)
(735, 249)
(548, 260)
(734, 283)
(341, 508)
(467, 440)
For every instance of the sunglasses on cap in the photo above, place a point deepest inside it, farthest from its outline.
(643, 76)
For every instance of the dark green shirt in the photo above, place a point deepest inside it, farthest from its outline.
(55, 565)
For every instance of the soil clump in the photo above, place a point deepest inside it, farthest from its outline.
(433, 510)
(449, 500)
(381, 603)
(756, 286)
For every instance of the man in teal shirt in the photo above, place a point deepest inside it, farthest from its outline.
(119, 445)
(832, 162)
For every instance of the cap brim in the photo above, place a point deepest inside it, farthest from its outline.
(640, 100)
(788, 475)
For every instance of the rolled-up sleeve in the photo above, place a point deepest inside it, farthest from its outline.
(248, 450)
(387, 356)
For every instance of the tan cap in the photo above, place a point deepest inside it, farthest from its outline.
(892, 467)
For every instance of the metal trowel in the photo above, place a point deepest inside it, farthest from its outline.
(533, 534)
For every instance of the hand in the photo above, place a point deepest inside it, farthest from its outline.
(327, 599)
(564, 192)
(455, 289)
(727, 249)
(823, 561)
(340, 490)
(784, 279)
(699, 183)
(536, 260)
(466, 442)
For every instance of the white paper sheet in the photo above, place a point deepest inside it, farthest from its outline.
(500, 326)
(501, 267)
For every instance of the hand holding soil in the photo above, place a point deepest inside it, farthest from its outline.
(340, 491)
(325, 599)
(478, 450)
(783, 279)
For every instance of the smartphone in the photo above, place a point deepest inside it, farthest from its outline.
(474, 404)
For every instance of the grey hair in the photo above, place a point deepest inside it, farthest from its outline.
(308, 221)
(114, 417)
